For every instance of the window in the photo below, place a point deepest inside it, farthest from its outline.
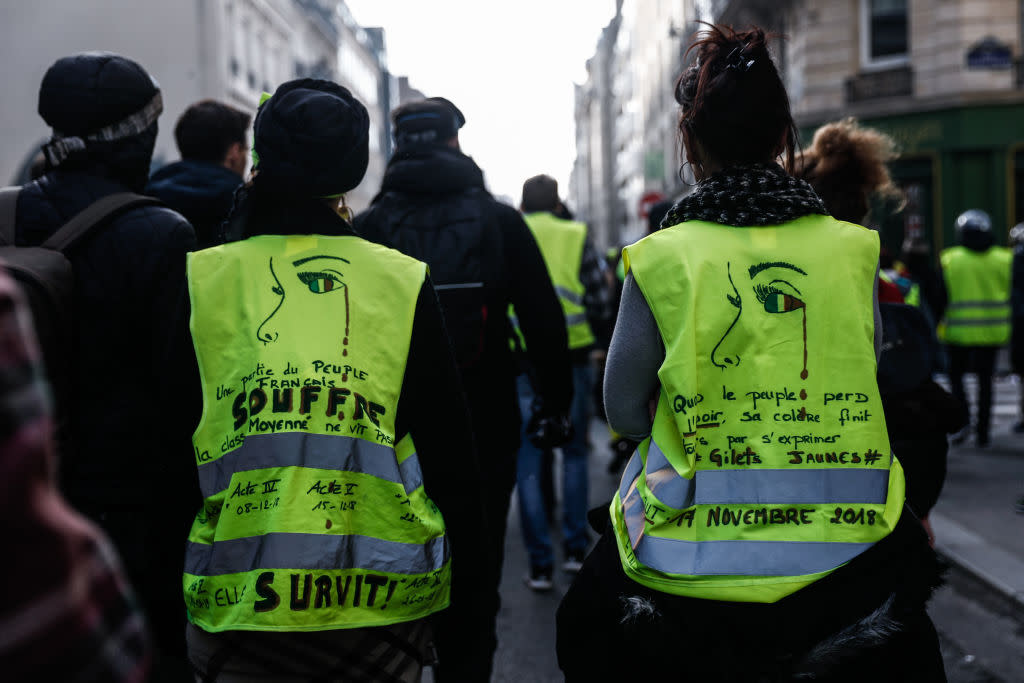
(885, 34)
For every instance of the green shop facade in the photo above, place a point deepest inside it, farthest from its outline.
(951, 160)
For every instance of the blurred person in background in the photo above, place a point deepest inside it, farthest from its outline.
(66, 611)
(577, 272)
(742, 294)
(977, 318)
(211, 137)
(341, 517)
(846, 166)
(433, 206)
(129, 471)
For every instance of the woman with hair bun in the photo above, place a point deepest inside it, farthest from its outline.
(759, 532)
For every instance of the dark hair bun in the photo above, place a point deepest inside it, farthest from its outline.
(733, 100)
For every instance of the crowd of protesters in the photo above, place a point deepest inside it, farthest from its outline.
(260, 438)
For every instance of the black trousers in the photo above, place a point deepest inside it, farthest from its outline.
(466, 650)
(982, 361)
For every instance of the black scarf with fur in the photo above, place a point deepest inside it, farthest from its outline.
(755, 194)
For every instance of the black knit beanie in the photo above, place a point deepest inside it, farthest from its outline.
(311, 139)
(83, 93)
(432, 121)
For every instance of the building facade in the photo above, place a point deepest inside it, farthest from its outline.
(942, 77)
(231, 50)
(593, 193)
(627, 142)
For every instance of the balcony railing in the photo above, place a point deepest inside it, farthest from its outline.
(873, 85)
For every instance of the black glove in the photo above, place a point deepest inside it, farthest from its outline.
(549, 431)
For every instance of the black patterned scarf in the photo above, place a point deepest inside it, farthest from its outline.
(755, 194)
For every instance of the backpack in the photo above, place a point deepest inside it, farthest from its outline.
(459, 243)
(47, 281)
(910, 350)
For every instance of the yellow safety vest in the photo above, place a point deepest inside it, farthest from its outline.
(978, 313)
(313, 517)
(768, 465)
(561, 244)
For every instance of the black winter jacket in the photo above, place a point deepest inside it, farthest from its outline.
(201, 191)
(422, 188)
(133, 401)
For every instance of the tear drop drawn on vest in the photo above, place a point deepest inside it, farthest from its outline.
(311, 276)
(769, 289)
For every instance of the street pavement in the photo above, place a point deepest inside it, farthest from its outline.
(979, 614)
(979, 533)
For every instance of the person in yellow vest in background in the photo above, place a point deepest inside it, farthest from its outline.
(759, 531)
(338, 511)
(577, 272)
(976, 322)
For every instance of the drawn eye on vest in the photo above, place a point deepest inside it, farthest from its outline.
(323, 275)
(776, 299)
(321, 283)
(776, 295)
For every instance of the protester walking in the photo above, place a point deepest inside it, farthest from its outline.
(577, 272)
(433, 206)
(846, 166)
(212, 139)
(127, 469)
(755, 504)
(977, 316)
(339, 512)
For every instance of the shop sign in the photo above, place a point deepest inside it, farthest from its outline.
(989, 53)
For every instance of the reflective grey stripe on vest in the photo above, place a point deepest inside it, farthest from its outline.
(575, 319)
(817, 486)
(744, 558)
(631, 472)
(976, 322)
(569, 295)
(763, 486)
(664, 482)
(314, 551)
(977, 304)
(316, 451)
(732, 558)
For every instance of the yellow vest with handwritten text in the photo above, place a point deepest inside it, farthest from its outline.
(313, 516)
(768, 465)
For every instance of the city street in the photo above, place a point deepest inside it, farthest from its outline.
(982, 635)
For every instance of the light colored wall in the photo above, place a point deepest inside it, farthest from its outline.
(824, 42)
(162, 36)
(941, 33)
(187, 45)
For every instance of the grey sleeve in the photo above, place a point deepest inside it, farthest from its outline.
(631, 369)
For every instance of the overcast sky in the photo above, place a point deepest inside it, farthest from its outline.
(509, 66)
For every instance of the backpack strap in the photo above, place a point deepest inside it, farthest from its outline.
(92, 216)
(8, 214)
